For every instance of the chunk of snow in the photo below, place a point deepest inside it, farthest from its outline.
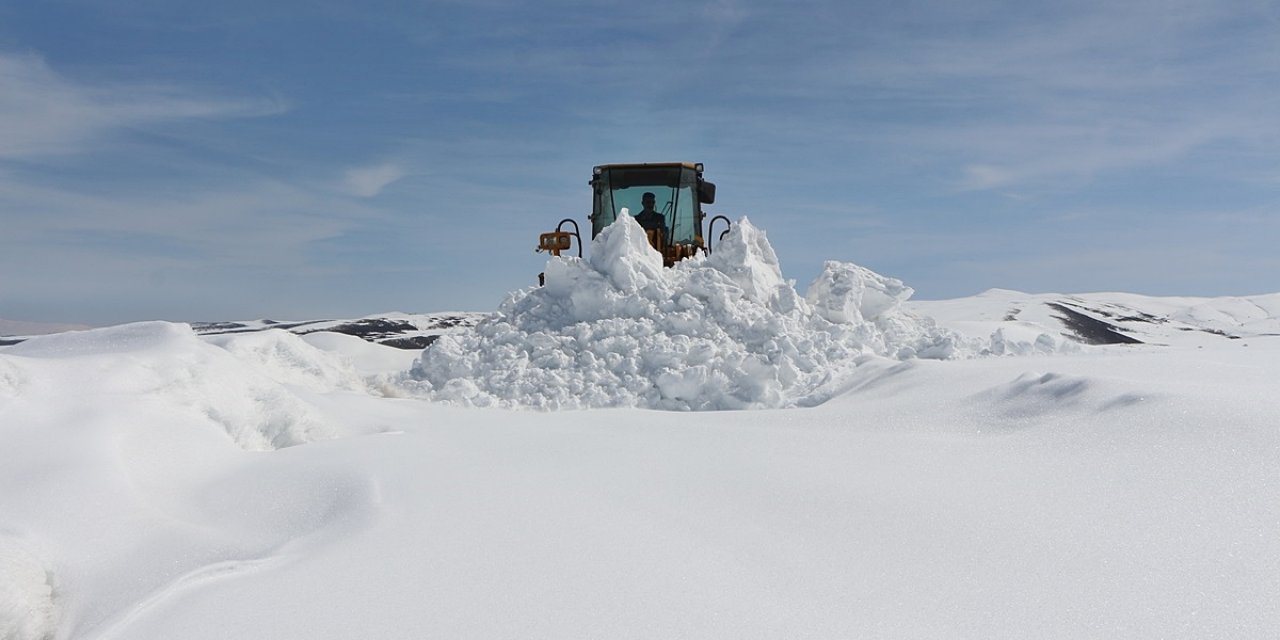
(749, 259)
(848, 293)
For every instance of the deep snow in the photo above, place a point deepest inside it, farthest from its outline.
(155, 483)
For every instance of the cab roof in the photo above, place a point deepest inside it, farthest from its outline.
(696, 166)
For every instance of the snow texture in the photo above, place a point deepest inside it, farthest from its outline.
(26, 593)
(724, 331)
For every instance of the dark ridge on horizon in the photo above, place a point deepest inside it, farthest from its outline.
(1088, 329)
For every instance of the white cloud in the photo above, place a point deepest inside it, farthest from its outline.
(1029, 99)
(367, 182)
(981, 176)
(45, 113)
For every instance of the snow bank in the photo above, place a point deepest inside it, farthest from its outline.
(289, 359)
(169, 365)
(725, 331)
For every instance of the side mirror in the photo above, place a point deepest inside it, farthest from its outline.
(706, 192)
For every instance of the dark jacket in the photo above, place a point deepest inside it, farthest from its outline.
(651, 220)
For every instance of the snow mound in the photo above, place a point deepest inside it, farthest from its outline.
(289, 359)
(26, 593)
(370, 359)
(871, 305)
(724, 331)
(122, 340)
(1024, 339)
(172, 367)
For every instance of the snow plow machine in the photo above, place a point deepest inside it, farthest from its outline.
(666, 198)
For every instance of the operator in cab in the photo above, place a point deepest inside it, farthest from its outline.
(649, 218)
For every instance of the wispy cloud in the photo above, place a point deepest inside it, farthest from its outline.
(1093, 89)
(45, 113)
(212, 250)
(265, 223)
(367, 182)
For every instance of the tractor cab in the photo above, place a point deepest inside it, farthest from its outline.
(673, 219)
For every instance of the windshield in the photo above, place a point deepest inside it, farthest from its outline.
(674, 190)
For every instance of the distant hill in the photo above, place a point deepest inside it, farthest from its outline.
(400, 330)
(1111, 318)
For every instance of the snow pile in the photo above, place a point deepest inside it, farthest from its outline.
(172, 367)
(1024, 339)
(871, 306)
(724, 331)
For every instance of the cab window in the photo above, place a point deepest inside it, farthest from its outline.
(674, 189)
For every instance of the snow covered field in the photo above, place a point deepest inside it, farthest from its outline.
(878, 468)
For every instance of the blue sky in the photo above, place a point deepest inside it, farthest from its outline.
(237, 160)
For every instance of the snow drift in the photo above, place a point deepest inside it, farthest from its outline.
(248, 388)
(724, 331)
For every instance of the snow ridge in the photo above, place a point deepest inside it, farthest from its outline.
(725, 331)
(246, 387)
